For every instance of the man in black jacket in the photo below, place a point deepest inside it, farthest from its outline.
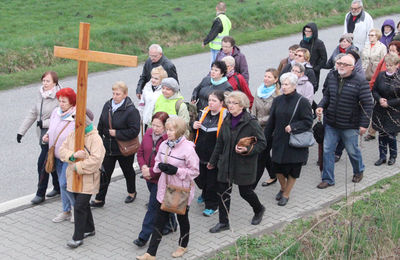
(156, 58)
(347, 106)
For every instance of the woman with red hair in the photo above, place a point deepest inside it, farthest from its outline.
(62, 122)
(40, 113)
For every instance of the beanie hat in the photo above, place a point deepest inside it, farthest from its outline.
(89, 116)
(354, 53)
(170, 83)
(348, 37)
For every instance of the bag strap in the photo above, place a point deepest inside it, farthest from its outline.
(178, 105)
(109, 119)
(41, 109)
(238, 83)
(295, 109)
(61, 132)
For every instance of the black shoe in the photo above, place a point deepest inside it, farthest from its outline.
(337, 158)
(52, 193)
(89, 234)
(219, 227)
(283, 201)
(391, 161)
(258, 217)
(37, 200)
(169, 230)
(140, 242)
(74, 243)
(95, 204)
(380, 162)
(267, 183)
(279, 195)
(130, 199)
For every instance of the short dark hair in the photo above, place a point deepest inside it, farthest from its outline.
(220, 65)
(229, 39)
(219, 94)
(162, 116)
(294, 47)
(52, 74)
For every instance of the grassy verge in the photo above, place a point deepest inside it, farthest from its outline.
(366, 226)
(129, 27)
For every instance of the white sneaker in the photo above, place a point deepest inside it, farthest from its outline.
(62, 217)
(72, 216)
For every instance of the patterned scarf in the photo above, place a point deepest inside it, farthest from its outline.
(172, 143)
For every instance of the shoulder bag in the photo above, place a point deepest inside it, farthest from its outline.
(175, 198)
(50, 161)
(300, 140)
(126, 148)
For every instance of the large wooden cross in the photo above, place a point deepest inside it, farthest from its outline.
(83, 55)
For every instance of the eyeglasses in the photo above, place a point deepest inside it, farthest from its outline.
(371, 35)
(232, 103)
(296, 71)
(307, 31)
(343, 64)
(299, 55)
(355, 9)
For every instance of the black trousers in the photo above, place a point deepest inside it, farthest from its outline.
(83, 216)
(246, 192)
(207, 182)
(161, 219)
(264, 162)
(126, 164)
(43, 176)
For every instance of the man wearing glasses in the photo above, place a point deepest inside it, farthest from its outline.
(347, 106)
(358, 22)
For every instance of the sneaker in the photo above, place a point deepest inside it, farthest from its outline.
(62, 217)
(200, 199)
(209, 212)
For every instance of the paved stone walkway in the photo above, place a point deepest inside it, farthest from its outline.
(30, 234)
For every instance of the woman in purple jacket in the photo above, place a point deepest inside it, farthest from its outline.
(178, 164)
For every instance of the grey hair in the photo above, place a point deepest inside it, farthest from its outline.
(229, 60)
(240, 97)
(300, 66)
(289, 76)
(339, 56)
(156, 47)
(360, 2)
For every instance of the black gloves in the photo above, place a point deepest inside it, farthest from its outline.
(19, 137)
(39, 124)
(167, 168)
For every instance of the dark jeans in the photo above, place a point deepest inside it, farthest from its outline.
(264, 162)
(149, 218)
(385, 140)
(207, 182)
(246, 192)
(126, 164)
(162, 218)
(43, 179)
(83, 216)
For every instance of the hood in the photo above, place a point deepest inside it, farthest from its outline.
(302, 80)
(314, 30)
(235, 51)
(389, 22)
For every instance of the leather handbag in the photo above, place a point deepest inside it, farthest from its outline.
(303, 139)
(247, 142)
(176, 198)
(127, 148)
(50, 161)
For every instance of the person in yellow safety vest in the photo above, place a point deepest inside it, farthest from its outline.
(208, 127)
(220, 28)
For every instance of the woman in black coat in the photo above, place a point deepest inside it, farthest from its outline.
(125, 122)
(386, 115)
(286, 160)
(237, 163)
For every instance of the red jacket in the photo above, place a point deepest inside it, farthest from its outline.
(146, 154)
(243, 86)
(381, 67)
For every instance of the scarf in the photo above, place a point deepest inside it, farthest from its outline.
(66, 114)
(156, 137)
(351, 23)
(219, 82)
(46, 93)
(264, 91)
(390, 74)
(116, 106)
(341, 50)
(89, 128)
(230, 74)
(387, 34)
(307, 39)
(171, 143)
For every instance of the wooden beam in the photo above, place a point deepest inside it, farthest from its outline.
(95, 56)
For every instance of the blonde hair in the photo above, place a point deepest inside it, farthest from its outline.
(305, 52)
(178, 124)
(159, 71)
(229, 61)
(120, 85)
(377, 32)
(240, 97)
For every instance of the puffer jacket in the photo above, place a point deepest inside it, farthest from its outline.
(184, 157)
(89, 167)
(125, 120)
(371, 56)
(316, 48)
(350, 109)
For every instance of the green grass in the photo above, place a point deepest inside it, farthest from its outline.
(30, 28)
(369, 228)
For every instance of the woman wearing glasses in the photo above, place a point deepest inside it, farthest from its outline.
(372, 53)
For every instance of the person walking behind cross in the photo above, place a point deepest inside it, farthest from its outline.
(220, 28)
(347, 106)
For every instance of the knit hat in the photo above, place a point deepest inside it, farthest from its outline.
(89, 116)
(354, 53)
(170, 83)
(348, 37)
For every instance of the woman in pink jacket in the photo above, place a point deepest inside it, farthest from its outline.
(179, 165)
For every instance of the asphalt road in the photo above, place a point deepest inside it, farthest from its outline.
(18, 163)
